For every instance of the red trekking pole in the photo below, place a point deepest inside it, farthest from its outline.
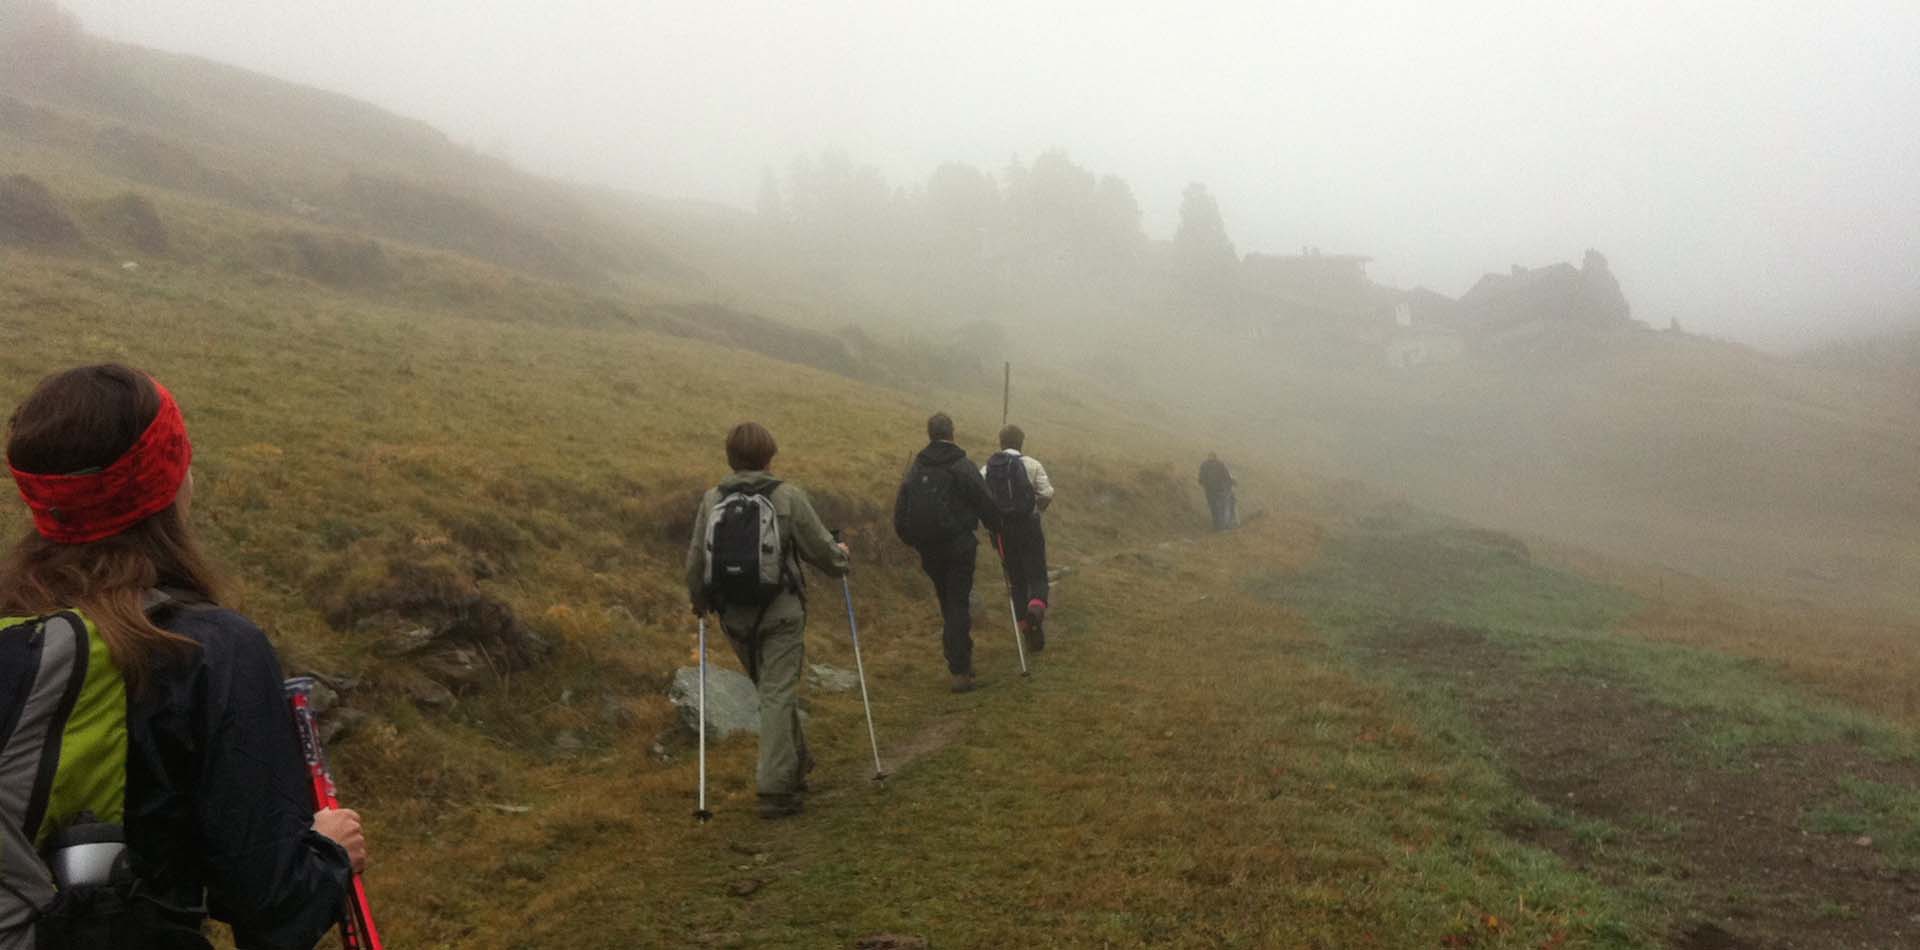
(357, 931)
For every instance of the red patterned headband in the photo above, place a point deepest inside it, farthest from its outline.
(78, 509)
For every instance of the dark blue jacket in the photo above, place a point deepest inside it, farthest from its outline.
(218, 798)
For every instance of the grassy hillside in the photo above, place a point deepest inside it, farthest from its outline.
(434, 398)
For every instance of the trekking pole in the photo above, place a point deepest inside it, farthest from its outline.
(1013, 612)
(853, 626)
(701, 812)
(357, 931)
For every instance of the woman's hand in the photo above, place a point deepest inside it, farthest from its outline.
(343, 826)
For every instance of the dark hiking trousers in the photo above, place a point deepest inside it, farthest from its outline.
(1026, 561)
(1221, 502)
(949, 565)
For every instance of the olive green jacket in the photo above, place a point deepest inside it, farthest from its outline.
(802, 536)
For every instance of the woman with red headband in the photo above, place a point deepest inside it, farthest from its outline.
(217, 807)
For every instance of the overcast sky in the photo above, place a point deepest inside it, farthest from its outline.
(1750, 167)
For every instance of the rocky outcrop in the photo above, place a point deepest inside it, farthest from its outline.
(30, 215)
(443, 626)
(132, 218)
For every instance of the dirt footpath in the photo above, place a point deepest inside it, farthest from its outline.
(1733, 838)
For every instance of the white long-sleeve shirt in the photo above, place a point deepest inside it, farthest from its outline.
(1036, 476)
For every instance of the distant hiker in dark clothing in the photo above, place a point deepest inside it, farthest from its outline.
(750, 536)
(1020, 490)
(1218, 483)
(174, 728)
(940, 503)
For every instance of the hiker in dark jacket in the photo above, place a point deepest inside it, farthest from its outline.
(941, 502)
(217, 807)
(769, 639)
(1218, 484)
(1021, 490)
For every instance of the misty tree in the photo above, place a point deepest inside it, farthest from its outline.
(1201, 240)
(1119, 214)
(962, 206)
(1204, 256)
(839, 202)
(1068, 222)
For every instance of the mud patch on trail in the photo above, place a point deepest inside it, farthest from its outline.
(1733, 839)
(931, 738)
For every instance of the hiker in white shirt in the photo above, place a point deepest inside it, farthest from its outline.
(1021, 489)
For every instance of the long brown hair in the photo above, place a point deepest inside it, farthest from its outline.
(72, 422)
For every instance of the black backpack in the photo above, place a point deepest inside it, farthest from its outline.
(747, 565)
(1009, 486)
(927, 506)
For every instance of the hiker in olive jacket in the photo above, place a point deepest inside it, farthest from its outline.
(769, 640)
(942, 501)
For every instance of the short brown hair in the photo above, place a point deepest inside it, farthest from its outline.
(940, 427)
(1013, 438)
(750, 447)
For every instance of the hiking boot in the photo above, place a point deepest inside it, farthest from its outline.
(1033, 628)
(1030, 637)
(773, 807)
(964, 683)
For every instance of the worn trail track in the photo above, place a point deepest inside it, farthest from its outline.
(1731, 835)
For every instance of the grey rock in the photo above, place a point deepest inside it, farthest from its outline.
(324, 698)
(426, 693)
(568, 741)
(407, 642)
(343, 722)
(832, 679)
(733, 704)
(344, 682)
(459, 669)
(1064, 570)
(616, 713)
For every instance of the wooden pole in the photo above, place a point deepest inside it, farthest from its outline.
(1006, 395)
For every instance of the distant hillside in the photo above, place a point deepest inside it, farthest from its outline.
(1585, 425)
(240, 138)
(1894, 355)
